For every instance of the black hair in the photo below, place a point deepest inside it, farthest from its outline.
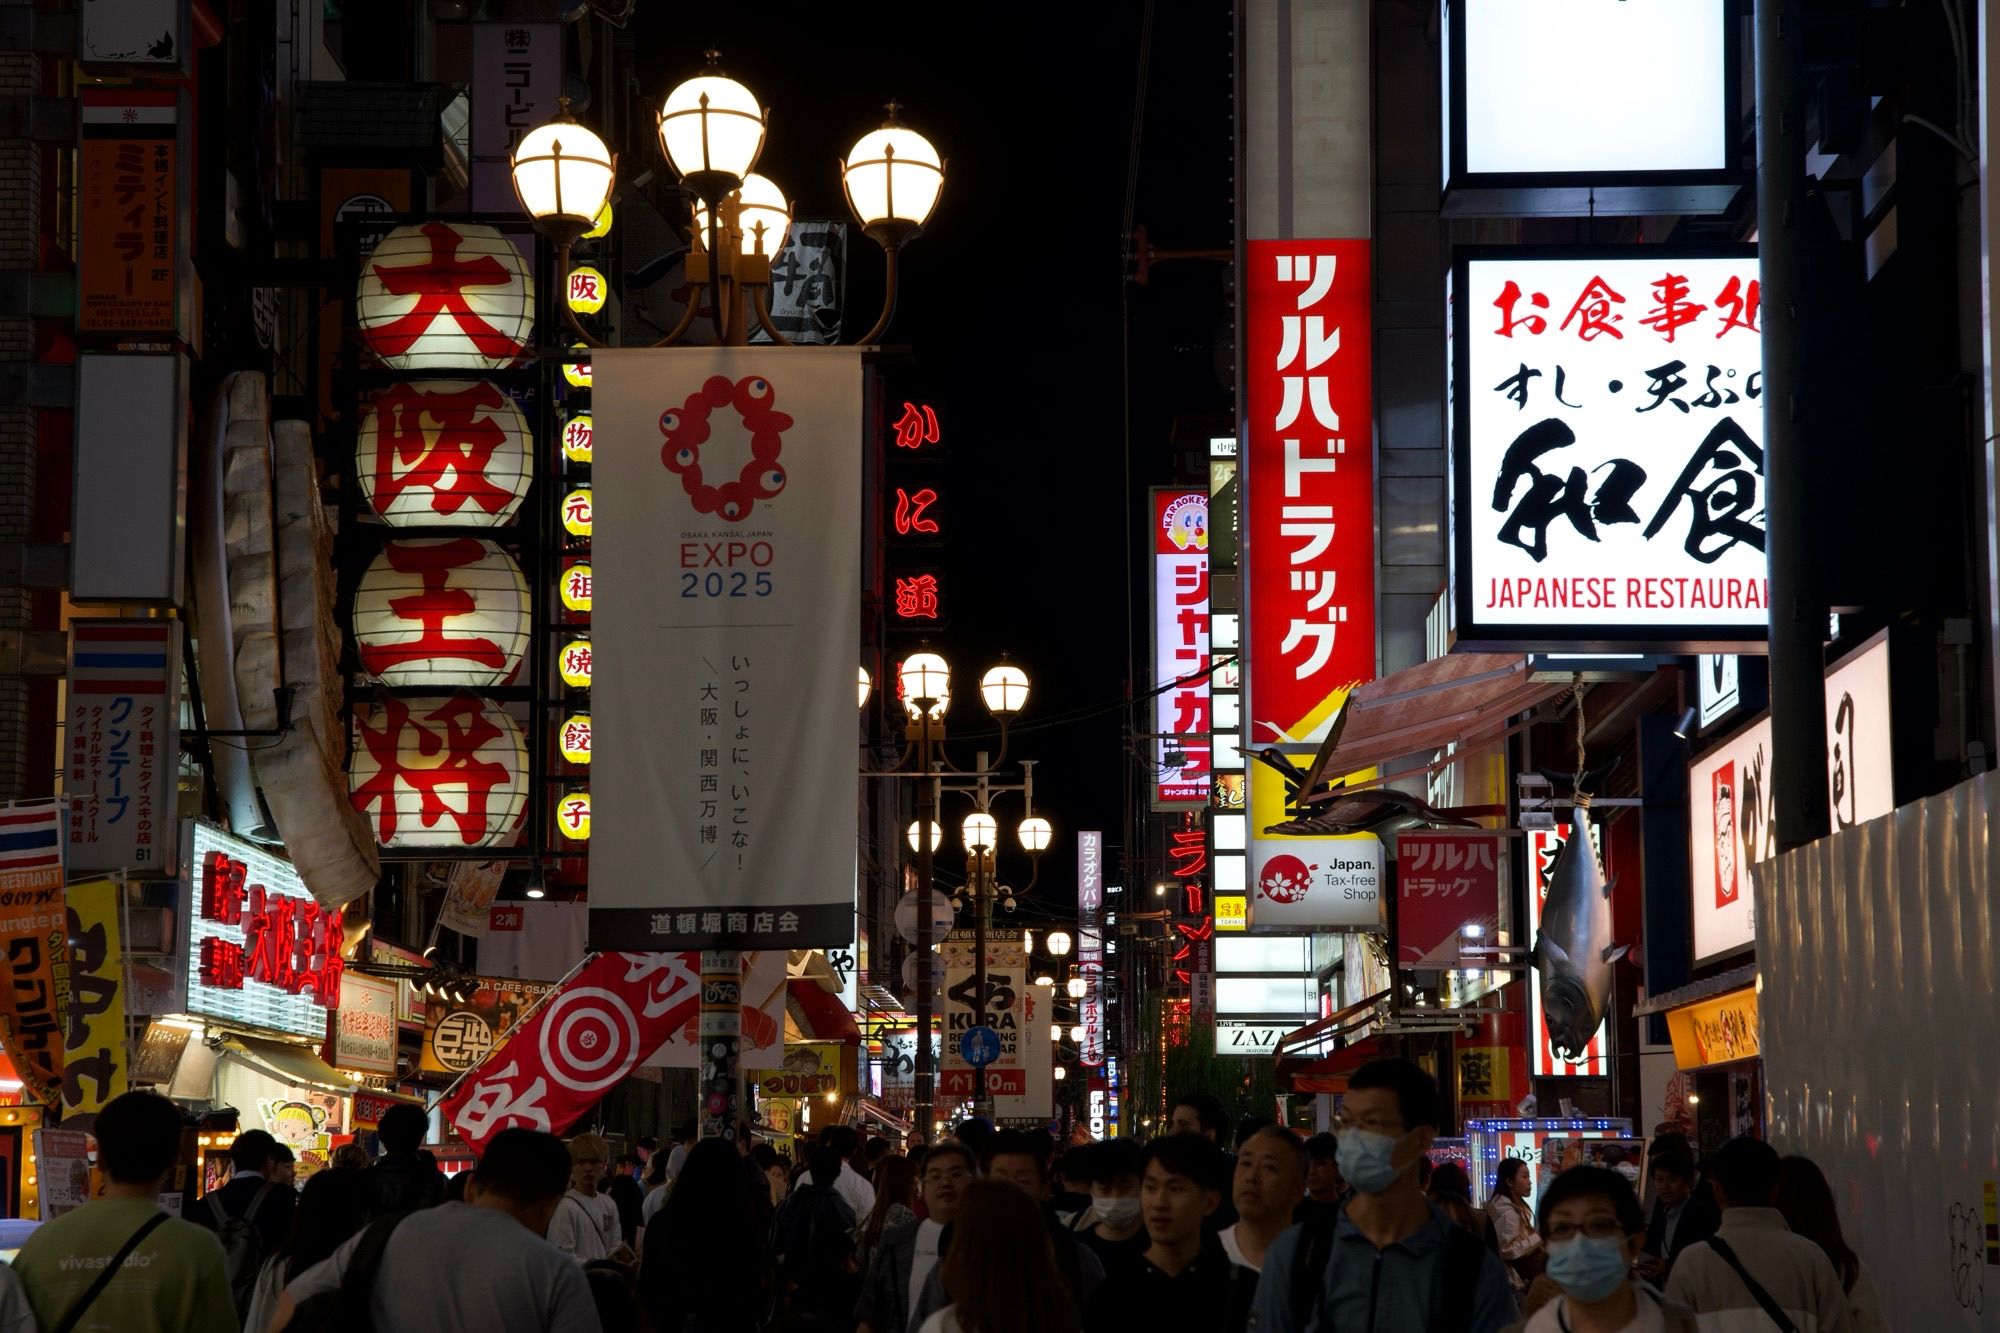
(1505, 1173)
(283, 1154)
(765, 1156)
(975, 1132)
(1019, 1143)
(685, 1132)
(950, 1148)
(1416, 1092)
(454, 1189)
(1424, 1170)
(253, 1149)
(1103, 1161)
(1250, 1126)
(1323, 1148)
(1595, 1182)
(138, 1137)
(524, 1165)
(1192, 1156)
(1208, 1109)
(332, 1207)
(1746, 1171)
(1677, 1165)
(843, 1139)
(1279, 1134)
(403, 1128)
(625, 1157)
(824, 1164)
(1450, 1178)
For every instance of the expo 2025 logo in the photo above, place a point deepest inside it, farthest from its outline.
(686, 429)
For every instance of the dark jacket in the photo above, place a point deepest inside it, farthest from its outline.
(1699, 1219)
(1146, 1299)
(630, 1197)
(885, 1292)
(400, 1182)
(274, 1215)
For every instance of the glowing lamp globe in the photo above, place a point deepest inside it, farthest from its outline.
(446, 296)
(893, 177)
(577, 435)
(442, 611)
(1005, 689)
(576, 512)
(1058, 944)
(1055, 1032)
(439, 771)
(577, 373)
(587, 290)
(563, 175)
(573, 664)
(444, 453)
(866, 686)
(1035, 834)
(924, 676)
(573, 815)
(981, 830)
(1076, 1032)
(916, 835)
(1059, 1073)
(575, 589)
(1044, 979)
(1076, 988)
(712, 131)
(573, 738)
(763, 216)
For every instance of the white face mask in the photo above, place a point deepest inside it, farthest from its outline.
(1115, 1212)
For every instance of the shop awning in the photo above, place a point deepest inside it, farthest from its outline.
(295, 1066)
(871, 1110)
(1329, 1073)
(819, 1013)
(1461, 698)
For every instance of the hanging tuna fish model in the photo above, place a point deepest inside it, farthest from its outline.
(1573, 950)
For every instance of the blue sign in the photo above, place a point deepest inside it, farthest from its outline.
(980, 1046)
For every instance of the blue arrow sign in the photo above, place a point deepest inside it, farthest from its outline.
(980, 1046)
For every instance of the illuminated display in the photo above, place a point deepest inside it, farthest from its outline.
(444, 453)
(916, 427)
(576, 438)
(586, 291)
(575, 588)
(261, 951)
(577, 373)
(918, 597)
(1181, 648)
(448, 771)
(573, 816)
(574, 664)
(442, 611)
(440, 295)
(916, 512)
(576, 512)
(574, 738)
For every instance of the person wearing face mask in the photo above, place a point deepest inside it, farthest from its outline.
(1594, 1230)
(1390, 1261)
(1111, 1227)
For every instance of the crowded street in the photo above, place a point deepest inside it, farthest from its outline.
(1269, 666)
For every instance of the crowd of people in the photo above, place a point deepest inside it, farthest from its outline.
(987, 1231)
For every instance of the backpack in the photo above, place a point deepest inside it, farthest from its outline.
(243, 1245)
(1464, 1254)
(813, 1232)
(345, 1309)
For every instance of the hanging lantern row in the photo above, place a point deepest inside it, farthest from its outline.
(446, 296)
(574, 738)
(442, 611)
(446, 771)
(573, 814)
(573, 664)
(576, 512)
(435, 453)
(576, 438)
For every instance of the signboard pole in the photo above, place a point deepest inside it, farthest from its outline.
(721, 1042)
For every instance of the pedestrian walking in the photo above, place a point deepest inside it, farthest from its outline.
(1514, 1221)
(852, 1184)
(1201, 1114)
(1754, 1261)
(1021, 1159)
(1183, 1277)
(482, 1265)
(906, 1255)
(119, 1264)
(405, 1177)
(1806, 1200)
(1451, 1190)
(1389, 1262)
(1593, 1228)
(812, 1241)
(585, 1225)
(1269, 1182)
(1001, 1274)
(1324, 1184)
(1682, 1215)
(1112, 1225)
(250, 1215)
(332, 1207)
(895, 1206)
(622, 1187)
(705, 1269)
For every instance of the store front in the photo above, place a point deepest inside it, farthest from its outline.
(1718, 1089)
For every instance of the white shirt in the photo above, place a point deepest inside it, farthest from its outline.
(852, 1186)
(942, 1321)
(1549, 1318)
(655, 1201)
(1234, 1250)
(923, 1261)
(586, 1226)
(457, 1266)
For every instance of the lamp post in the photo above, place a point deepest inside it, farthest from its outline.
(924, 686)
(712, 131)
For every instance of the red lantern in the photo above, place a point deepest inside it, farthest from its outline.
(446, 295)
(446, 771)
(444, 452)
(442, 611)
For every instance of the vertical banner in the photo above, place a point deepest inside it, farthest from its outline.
(468, 896)
(727, 542)
(364, 1027)
(516, 79)
(95, 1052)
(1090, 944)
(585, 1040)
(1006, 990)
(34, 930)
(1445, 882)
(123, 737)
(129, 212)
(1180, 648)
(1037, 1101)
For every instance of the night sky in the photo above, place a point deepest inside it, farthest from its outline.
(1012, 306)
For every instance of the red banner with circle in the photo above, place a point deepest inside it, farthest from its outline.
(612, 1013)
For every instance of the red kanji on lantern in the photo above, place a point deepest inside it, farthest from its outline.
(438, 600)
(917, 427)
(453, 443)
(441, 759)
(917, 597)
(441, 283)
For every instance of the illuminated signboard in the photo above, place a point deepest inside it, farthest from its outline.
(1181, 648)
(1090, 944)
(1607, 463)
(261, 950)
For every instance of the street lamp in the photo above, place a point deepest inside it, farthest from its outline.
(711, 131)
(867, 686)
(1058, 944)
(981, 833)
(1005, 689)
(1076, 988)
(917, 832)
(1036, 834)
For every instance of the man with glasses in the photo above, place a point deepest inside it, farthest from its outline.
(1390, 1261)
(906, 1255)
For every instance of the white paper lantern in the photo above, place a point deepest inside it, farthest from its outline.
(445, 453)
(442, 611)
(440, 771)
(446, 295)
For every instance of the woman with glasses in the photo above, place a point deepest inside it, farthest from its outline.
(1594, 1230)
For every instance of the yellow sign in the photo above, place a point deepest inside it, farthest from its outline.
(576, 512)
(600, 224)
(575, 738)
(812, 1069)
(1484, 1073)
(576, 435)
(1232, 911)
(1715, 1031)
(578, 372)
(576, 588)
(574, 663)
(95, 1056)
(573, 815)
(586, 290)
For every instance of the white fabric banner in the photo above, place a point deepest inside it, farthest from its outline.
(727, 554)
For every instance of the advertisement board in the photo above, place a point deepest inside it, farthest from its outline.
(728, 503)
(261, 952)
(96, 1064)
(34, 934)
(1732, 796)
(1607, 466)
(516, 79)
(129, 212)
(1180, 648)
(458, 1034)
(364, 1028)
(123, 741)
(1310, 883)
(1037, 1099)
(1090, 944)
(1446, 882)
(1006, 1009)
